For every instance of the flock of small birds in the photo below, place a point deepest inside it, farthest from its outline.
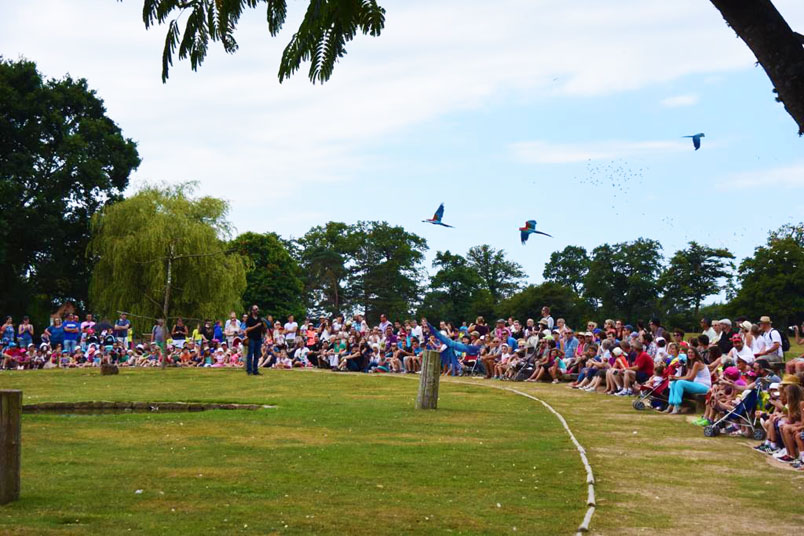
(622, 178)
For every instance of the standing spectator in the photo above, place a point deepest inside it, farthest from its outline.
(25, 332)
(384, 323)
(570, 344)
(656, 328)
(773, 341)
(86, 325)
(707, 329)
(9, 334)
(549, 322)
(500, 331)
(726, 334)
(158, 335)
(291, 327)
(72, 331)
(179, 333)
(255, 330)
(232, 328)
(479, 326)
(55, 333)
(243, 320)
(206, 331)
(121, 328)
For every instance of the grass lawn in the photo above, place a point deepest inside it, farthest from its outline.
(347, 454)
(341, 454)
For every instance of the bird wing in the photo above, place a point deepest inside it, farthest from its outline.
(523, 235)
(696, 141)
(530, 224)
(439, 213)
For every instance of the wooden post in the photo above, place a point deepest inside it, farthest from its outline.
(10, 429)
(428, 384)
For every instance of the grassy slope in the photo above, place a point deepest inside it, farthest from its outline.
(341, 454)
(659, 473)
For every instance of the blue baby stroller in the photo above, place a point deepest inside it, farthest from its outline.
(743, 414)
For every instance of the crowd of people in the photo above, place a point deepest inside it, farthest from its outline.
(721, 362)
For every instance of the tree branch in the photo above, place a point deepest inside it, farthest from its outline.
(775, 45)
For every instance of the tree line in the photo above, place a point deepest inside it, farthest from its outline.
(67, 234)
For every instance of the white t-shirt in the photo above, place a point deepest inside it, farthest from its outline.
(417, 332)
(758, 344)
(771, 337)
(745, 354)
(550, 322)
(290, 331)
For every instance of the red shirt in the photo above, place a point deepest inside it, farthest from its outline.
(644, 363)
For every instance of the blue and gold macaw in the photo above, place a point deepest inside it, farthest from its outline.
(696, 139)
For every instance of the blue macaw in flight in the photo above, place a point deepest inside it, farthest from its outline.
(436, 219)
(529, 229)
(696, 139)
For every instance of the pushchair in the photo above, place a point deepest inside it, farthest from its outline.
(526, 368)
(743, 414)
(654, 396)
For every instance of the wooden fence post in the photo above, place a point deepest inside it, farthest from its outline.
(10, 429)
(428, 383)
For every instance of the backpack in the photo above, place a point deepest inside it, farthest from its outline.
(785, 341)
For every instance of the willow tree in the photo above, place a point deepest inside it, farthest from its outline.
(162, 253)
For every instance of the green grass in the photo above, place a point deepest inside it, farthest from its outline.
(347, 454)
(340, 454)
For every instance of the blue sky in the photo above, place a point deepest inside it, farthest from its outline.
(567, 113)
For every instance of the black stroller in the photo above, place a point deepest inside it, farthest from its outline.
(743, 414)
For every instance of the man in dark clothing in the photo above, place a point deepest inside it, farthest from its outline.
(255, 329)
(726, 333)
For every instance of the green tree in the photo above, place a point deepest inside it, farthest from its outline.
(384, 269)
(568, 267)
(329, 24)
(694, 273)
(562, 300)
(501, 277)
(772, 280)
(273, 277)
(623, 278)
(456, 291)
(61, 160)
(322, 254)
(161, 253)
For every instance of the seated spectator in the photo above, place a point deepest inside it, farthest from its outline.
(698, 380)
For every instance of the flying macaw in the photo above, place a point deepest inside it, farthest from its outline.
(529, 229)
(436, 219)
(696, 139)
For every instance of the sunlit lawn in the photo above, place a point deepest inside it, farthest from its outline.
(340, 454)
(348, 454)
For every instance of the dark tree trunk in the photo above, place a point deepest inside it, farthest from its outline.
(776, 46)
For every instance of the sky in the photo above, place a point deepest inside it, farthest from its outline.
(569, 113)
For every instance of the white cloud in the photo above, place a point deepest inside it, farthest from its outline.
(232, 125)
(544, 152)
(680, 100)
(787, 177)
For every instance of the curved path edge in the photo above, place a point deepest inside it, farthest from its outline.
(590, 477)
